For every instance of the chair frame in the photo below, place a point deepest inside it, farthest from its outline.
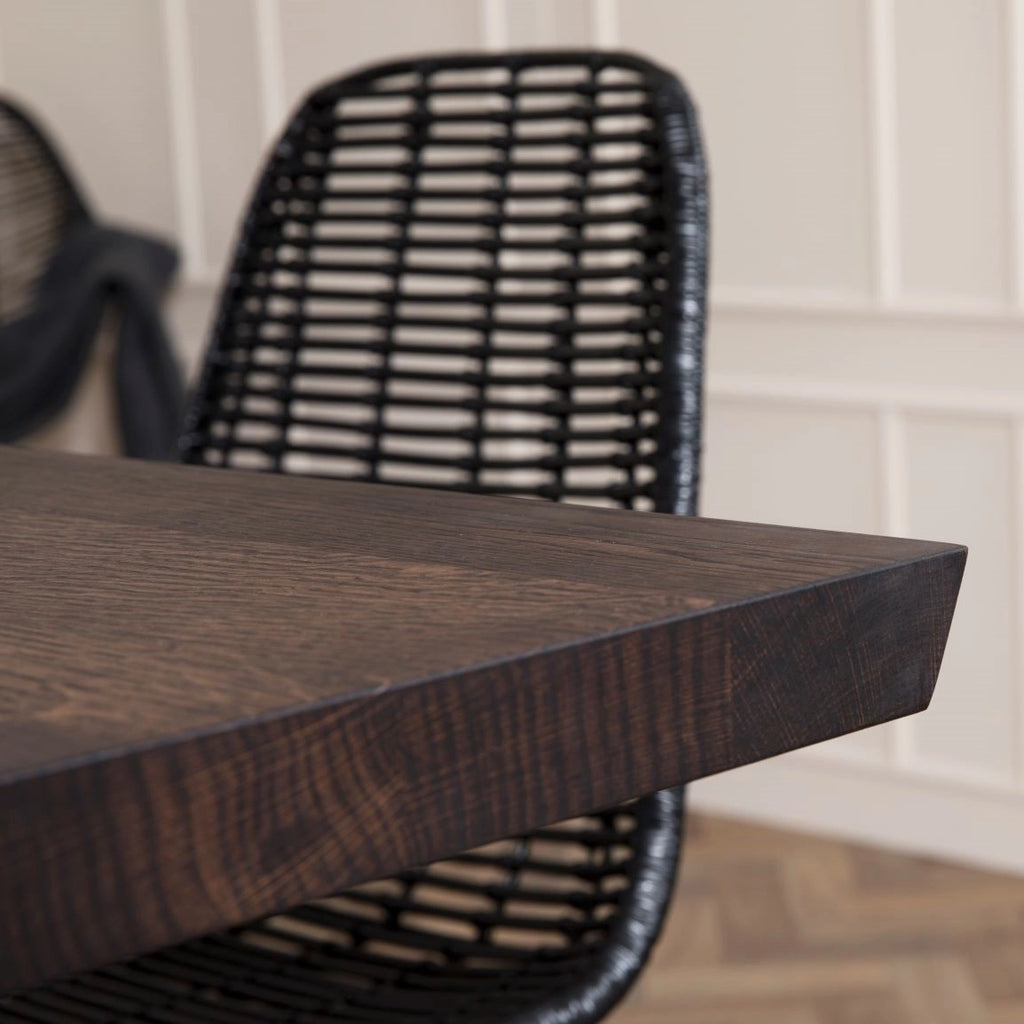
(658, 834)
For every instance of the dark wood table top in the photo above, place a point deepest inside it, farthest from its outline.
(222, 693)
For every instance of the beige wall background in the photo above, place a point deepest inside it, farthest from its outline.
(866, 345)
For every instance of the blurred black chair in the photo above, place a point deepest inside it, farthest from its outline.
(59, 272)
(39, 204)
(483, 273)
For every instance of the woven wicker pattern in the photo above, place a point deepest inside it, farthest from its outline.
(486, 274)
(477, 938)
(455, 276)
(37, 204)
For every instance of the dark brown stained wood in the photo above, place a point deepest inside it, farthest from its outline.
(224, 693)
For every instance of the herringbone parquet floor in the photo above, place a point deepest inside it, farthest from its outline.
(772, 927)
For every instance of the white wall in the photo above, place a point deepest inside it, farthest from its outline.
(866, 356)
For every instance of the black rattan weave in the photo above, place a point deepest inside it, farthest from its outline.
(484, 273)
(38, 203)
(60, 272)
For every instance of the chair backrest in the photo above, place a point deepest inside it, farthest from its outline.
(38, 202)
(484, 273)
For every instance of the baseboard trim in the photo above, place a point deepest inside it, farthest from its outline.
(904, 813)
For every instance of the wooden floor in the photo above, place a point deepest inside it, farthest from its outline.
(772, 927)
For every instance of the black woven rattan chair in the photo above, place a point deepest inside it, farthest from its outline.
(60, 270)
(39, 202)
(484, 273)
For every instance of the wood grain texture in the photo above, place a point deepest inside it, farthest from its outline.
(222, 693)
(774, 927)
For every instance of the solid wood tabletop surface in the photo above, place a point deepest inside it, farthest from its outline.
(222, 693)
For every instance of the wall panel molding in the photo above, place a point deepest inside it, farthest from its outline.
(843, 303)
(881, 53)
(955, 211)
(967, 820)
(494, 24)
(1016, 471)
(973, 402)
(1015, 134)
(270, 58)
(895, 489)
(182, 101)
(605, 20)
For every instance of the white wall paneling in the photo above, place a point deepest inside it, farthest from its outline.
(494, 24)
(782, 90)
(1013, 30)
(96, 72)
(1016, 553)
(901, 810)
(527, 22)
(323, 38)
(184, 139)
(866, 342)
(605, 19)
(952, 90)
(230, 49)
(270, 50)
(881, 80)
